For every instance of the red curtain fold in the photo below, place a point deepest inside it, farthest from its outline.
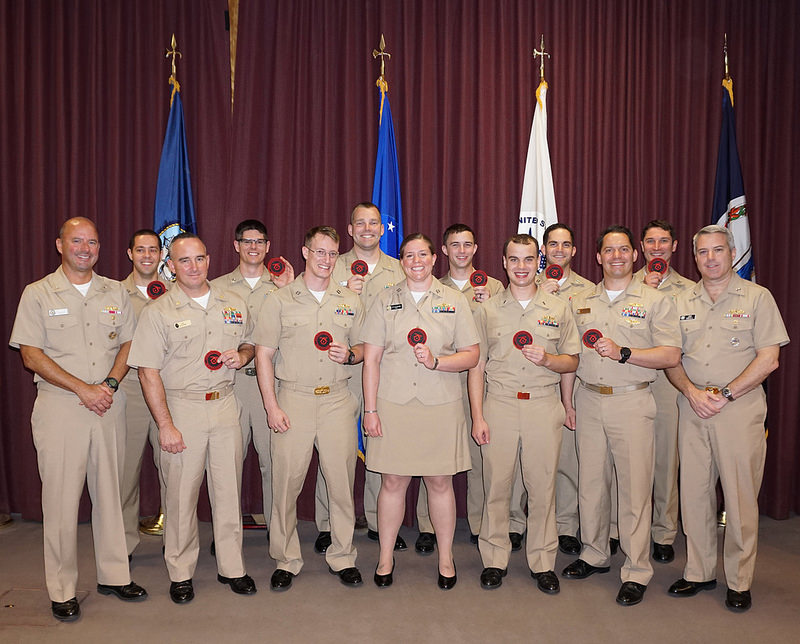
(634, 112)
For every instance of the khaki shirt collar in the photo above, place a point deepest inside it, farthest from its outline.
(59, 282)
(300, 291)
(179, 299)
(634, 288)
(735, 289)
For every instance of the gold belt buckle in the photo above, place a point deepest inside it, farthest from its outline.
(605, 390)
(212, 395)
(713, 390)
(321, 391)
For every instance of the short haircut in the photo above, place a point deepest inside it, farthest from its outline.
(711, 230)
(250, 224)
(557, 226)
(326, 231)
(141, 233)
(416, 237)
(659, 223)
(521, 238)
(455, 229)
(364, 204)
(616, 228)
(185, 235)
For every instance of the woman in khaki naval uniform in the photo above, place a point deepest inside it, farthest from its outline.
(413, 413)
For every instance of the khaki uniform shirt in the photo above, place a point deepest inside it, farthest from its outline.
(573, 285)
(82, 335)
(547, 318)
(495, 287)
(639, 318)
(290, 319)
(254, 297)
(673, 285)
(175, 334)
(444, 314)
(387, 273)
(720, 339)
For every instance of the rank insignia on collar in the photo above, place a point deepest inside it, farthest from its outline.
(232, 316)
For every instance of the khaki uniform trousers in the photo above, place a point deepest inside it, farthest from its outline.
(139, 426)
(665, 482)
(253, 421)
(327, 422)
(616, 432)
(730, 446)
(74, 445)
(526, 435)
(213, 444)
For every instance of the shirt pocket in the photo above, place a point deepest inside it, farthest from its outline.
(547, 337)
(296, 329)
(738, 332)
(109, 328)
(62, 331)
(341, 329)
(186, 341)
(233, 334)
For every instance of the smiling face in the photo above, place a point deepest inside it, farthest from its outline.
(145, 255)
(460, 249)
(320, 256)
(189, 262)
(616, 256)
(366, 228)
(559, 249)
(252, 247)
(79, 247)
(417, 262)
(658, 242)
(521, 262)
(714, 257)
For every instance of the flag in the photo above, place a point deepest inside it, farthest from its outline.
(174, 206)
(730, 205)
(386, 186)
(537, 209)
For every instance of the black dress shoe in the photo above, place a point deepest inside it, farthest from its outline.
(384, 581)
(243, 585)
(348, 576)
(446, 583)
(399, 543)
(579, 569)
(67, 611)
(738, 600)
(569, 545)
(684, 588)
(516, 541)
(473, 539)
(323, 542)
(630, 593)
(613, 544)
(547, 582)
(426, 543)
(281, 580)
(663, 553)
(130, 592)
(181, 592)
(492, 578)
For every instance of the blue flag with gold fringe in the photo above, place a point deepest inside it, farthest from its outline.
(386, 186)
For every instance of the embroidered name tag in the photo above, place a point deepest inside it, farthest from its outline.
(344, 309)
(443, 308)
(232, 316)
(548, 320)
(586, 310)
(54, 312)
(634, 311)
(183, 323)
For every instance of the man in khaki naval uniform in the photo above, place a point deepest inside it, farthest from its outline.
(559, 249)
(187, 345)
(252, 283)
(658, 241)
(459, 246)
(73, 329)
(519, 422)
(615, 410)
(144, 251)
(366, 229)
(731, 327)
(309, 328)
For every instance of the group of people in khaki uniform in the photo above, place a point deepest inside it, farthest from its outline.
(580, 399)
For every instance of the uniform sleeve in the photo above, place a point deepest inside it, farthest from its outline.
(267, 331)
(768, 328)
(149, 346)
(664, 328)
(28, 326)
(373, 330)
(466, 334)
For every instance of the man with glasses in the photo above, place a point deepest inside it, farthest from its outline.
(310, 328)
(252, 282)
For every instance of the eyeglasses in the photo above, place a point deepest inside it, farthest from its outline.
(253, 242)
(322, 254)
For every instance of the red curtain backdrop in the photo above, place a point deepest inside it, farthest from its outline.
(634, 112)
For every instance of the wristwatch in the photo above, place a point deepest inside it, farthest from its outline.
(111, 383)
(727, 394)
(350, 356)
(624, 354)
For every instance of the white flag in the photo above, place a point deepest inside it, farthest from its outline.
(537, 209)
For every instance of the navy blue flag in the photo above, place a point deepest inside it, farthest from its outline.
(174, 207)
(730, 205)
(386, 187)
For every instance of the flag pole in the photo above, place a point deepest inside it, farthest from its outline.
(173, 79)
(381, 82)
(541, 53)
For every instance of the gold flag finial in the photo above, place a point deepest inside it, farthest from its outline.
(725, 56)
(541, 53)
(173, 52)
(383, 55)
